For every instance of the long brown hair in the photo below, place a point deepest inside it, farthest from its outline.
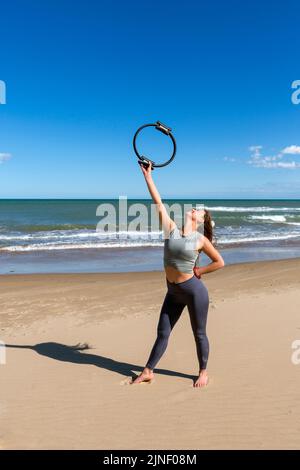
(208, 228)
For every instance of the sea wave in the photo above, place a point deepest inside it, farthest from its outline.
(131, 243)
(259, 238)
(33, 228)
(252, 209)
(272, 218)
(60, 235)
(74, 246)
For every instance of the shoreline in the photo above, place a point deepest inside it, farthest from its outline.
(150, 272)
(254, 264)
(138, 259)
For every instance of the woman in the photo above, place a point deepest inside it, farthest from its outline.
(184, 286)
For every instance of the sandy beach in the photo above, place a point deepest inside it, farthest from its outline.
(54, 397)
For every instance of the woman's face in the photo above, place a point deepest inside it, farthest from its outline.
(196, 215)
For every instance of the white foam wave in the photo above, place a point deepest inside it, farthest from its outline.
(252, 209)
(273, 218)
(61, 235)
(222, 240)
(258, 238)
(74, 246)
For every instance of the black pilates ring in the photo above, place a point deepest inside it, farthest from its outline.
(142, 160)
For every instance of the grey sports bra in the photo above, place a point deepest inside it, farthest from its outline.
(180, 252)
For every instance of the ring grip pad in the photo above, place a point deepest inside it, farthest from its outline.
(146, 161)
(163, 128)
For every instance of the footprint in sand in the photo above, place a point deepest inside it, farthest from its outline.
(181, 396)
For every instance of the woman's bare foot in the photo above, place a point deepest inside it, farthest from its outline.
(202, 380)
(145, 376)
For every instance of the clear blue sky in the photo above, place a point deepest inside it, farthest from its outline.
(82, 76)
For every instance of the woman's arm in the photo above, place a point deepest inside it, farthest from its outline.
(167, 223)
(214, 255)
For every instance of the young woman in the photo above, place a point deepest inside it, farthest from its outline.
(184, 285)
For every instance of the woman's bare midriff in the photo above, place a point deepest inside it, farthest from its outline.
(176, 276)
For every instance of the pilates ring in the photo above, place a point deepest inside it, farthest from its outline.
(142, 160)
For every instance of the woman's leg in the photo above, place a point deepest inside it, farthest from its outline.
(169, 315)
(198, 310)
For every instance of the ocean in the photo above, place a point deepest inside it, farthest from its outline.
(52, 236)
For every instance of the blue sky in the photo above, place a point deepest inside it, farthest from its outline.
(82, 76)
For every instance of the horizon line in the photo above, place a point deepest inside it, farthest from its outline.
(145, 199)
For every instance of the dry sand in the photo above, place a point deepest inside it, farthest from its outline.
(52, 397)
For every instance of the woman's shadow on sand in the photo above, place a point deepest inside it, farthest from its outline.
(75, 354)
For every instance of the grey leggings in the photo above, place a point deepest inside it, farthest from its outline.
(193, 294)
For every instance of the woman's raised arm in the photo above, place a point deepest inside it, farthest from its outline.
(167, 223)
